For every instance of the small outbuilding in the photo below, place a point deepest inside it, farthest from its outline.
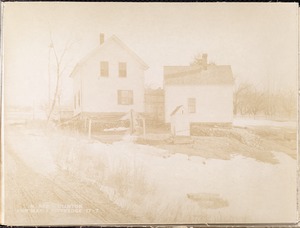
(204, 91)
(180, 124)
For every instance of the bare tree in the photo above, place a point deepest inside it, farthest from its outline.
(255, 102)
(197, 60)
(248, 100)
(59, 70)
(289, 103)
(240, 98)
(271, 106)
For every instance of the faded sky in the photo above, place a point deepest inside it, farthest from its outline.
(259, 41)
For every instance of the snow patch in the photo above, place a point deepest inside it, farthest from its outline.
(116, 129)
(126, 171)
(262, 122)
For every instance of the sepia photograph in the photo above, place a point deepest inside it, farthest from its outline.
(149, 113)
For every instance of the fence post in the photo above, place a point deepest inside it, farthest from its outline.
(131, 122)
(90, 128)
(85, 125)
(144, 127)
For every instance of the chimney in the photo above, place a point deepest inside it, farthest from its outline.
(204, 61)
(101, 38)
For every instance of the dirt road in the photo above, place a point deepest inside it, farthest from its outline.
(36, 199)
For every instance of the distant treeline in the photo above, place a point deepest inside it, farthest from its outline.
(248, 100)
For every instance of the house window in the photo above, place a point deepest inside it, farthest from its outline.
(125, 97)
(192, 105)
(104, 71)
(122, 70)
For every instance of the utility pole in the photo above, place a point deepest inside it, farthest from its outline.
(49, 75)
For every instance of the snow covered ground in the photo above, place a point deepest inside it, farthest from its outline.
(161, 187)
(116, 129)
(159, 183)
(242, 122)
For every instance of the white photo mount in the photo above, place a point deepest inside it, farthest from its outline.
(149, 114)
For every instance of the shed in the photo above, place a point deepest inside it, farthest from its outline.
(206, 92)
(180, 124)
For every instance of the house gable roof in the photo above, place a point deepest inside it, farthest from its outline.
(196, 75)
(117, 41)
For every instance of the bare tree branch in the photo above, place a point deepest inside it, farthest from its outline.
(58, 72)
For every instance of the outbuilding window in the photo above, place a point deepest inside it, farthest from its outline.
(192, 105)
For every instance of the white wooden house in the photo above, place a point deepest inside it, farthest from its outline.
(109, 80)
(205, 91)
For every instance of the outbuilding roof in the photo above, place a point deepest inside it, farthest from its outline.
(195, 75)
